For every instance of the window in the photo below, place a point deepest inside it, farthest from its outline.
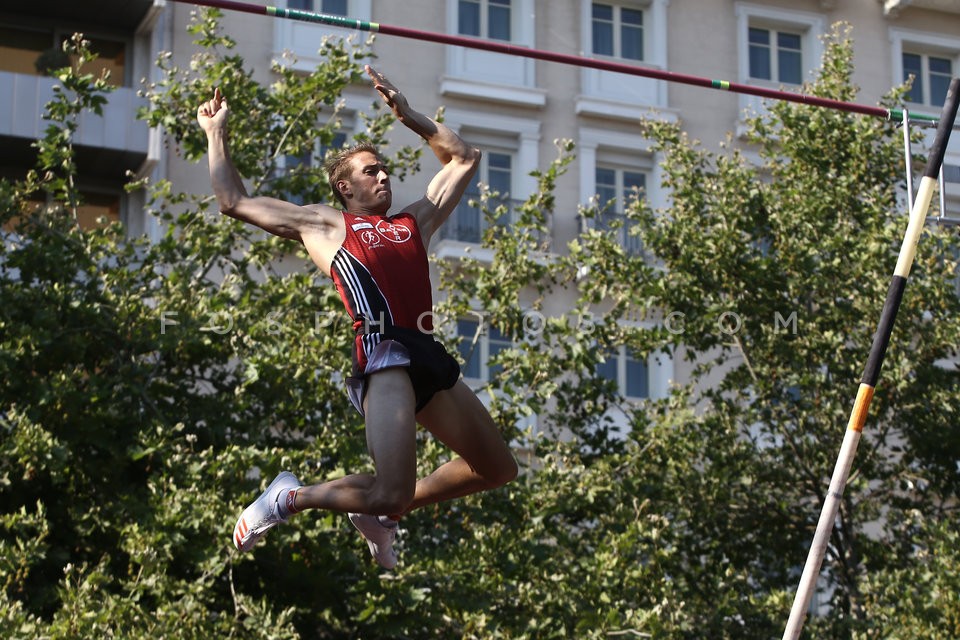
(97, 209)
(467, 223)
(484, 19)
(334, 7)
(617, 31)
(292, 165)
(774, 47)
(950, 197)
(330, 7)
(951, 173)
(40, 52)
(775, 55)
(931, 78)
(510, 148)
(631, 31)
(492, 76)
(297, 43)
(339, 142)
(932, 59)
(21, 48)
(630, 374)
(619, 168)
(30, 207)
(111, 57)
(478, 343)
(616, 189)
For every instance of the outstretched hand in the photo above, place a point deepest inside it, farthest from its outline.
(390, 93)
(212, 114)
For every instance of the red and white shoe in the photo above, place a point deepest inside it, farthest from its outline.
(266, 512)
(379, 535)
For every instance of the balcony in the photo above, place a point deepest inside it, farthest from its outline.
(467, 223)
(892, 8)
(21, 115)
(463, 231)
(493, 76)
(122, 34)
(619, 225)
(616, 95)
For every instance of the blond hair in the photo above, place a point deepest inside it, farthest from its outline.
(338, 166)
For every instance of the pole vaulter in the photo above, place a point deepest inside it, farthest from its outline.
(549, 56)
(918, 214)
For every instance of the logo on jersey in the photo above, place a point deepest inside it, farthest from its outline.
(394, 232)
(370, 238)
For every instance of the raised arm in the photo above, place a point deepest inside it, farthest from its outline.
(278, 217)
(459, 160)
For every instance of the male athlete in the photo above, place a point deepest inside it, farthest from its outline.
(401, 375)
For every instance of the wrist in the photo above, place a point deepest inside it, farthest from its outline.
(415, 121)
(216, 135)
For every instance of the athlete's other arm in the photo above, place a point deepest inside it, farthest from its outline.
(278, 217)
(459, 160)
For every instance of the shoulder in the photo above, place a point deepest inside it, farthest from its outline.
(325, 221)
(402, 215)
(407, 218)
(325, 213)
(422, 212)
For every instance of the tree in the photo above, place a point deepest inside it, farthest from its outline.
(697, 524)
(150, 387)
(814, 233)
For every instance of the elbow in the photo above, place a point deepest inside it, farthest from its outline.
(473, 158)
(228, 209)
(228, 204)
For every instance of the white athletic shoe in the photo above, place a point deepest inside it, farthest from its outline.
(379, 537)
(265, 513)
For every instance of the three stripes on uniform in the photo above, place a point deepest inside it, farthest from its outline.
(353, 275)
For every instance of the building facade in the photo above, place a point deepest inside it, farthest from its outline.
(127, 36)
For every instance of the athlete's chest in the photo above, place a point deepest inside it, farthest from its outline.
(383, 240)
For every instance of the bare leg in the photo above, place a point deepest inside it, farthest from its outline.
(391, 439)
(453, 479)
(457, 418)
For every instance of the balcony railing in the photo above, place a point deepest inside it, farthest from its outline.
(619, 225)
(21, 115)
(468, 223)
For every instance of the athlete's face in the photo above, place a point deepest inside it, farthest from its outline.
(368, 189)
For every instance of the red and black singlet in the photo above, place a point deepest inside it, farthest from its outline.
(383, 277)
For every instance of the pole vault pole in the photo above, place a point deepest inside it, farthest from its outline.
(549, 56)
(871, 372)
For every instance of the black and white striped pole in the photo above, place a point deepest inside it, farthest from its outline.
(871, 373)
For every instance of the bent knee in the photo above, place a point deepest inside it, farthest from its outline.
(506, 472)
(383, 501)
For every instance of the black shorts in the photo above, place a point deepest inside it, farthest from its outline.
(430, 367)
